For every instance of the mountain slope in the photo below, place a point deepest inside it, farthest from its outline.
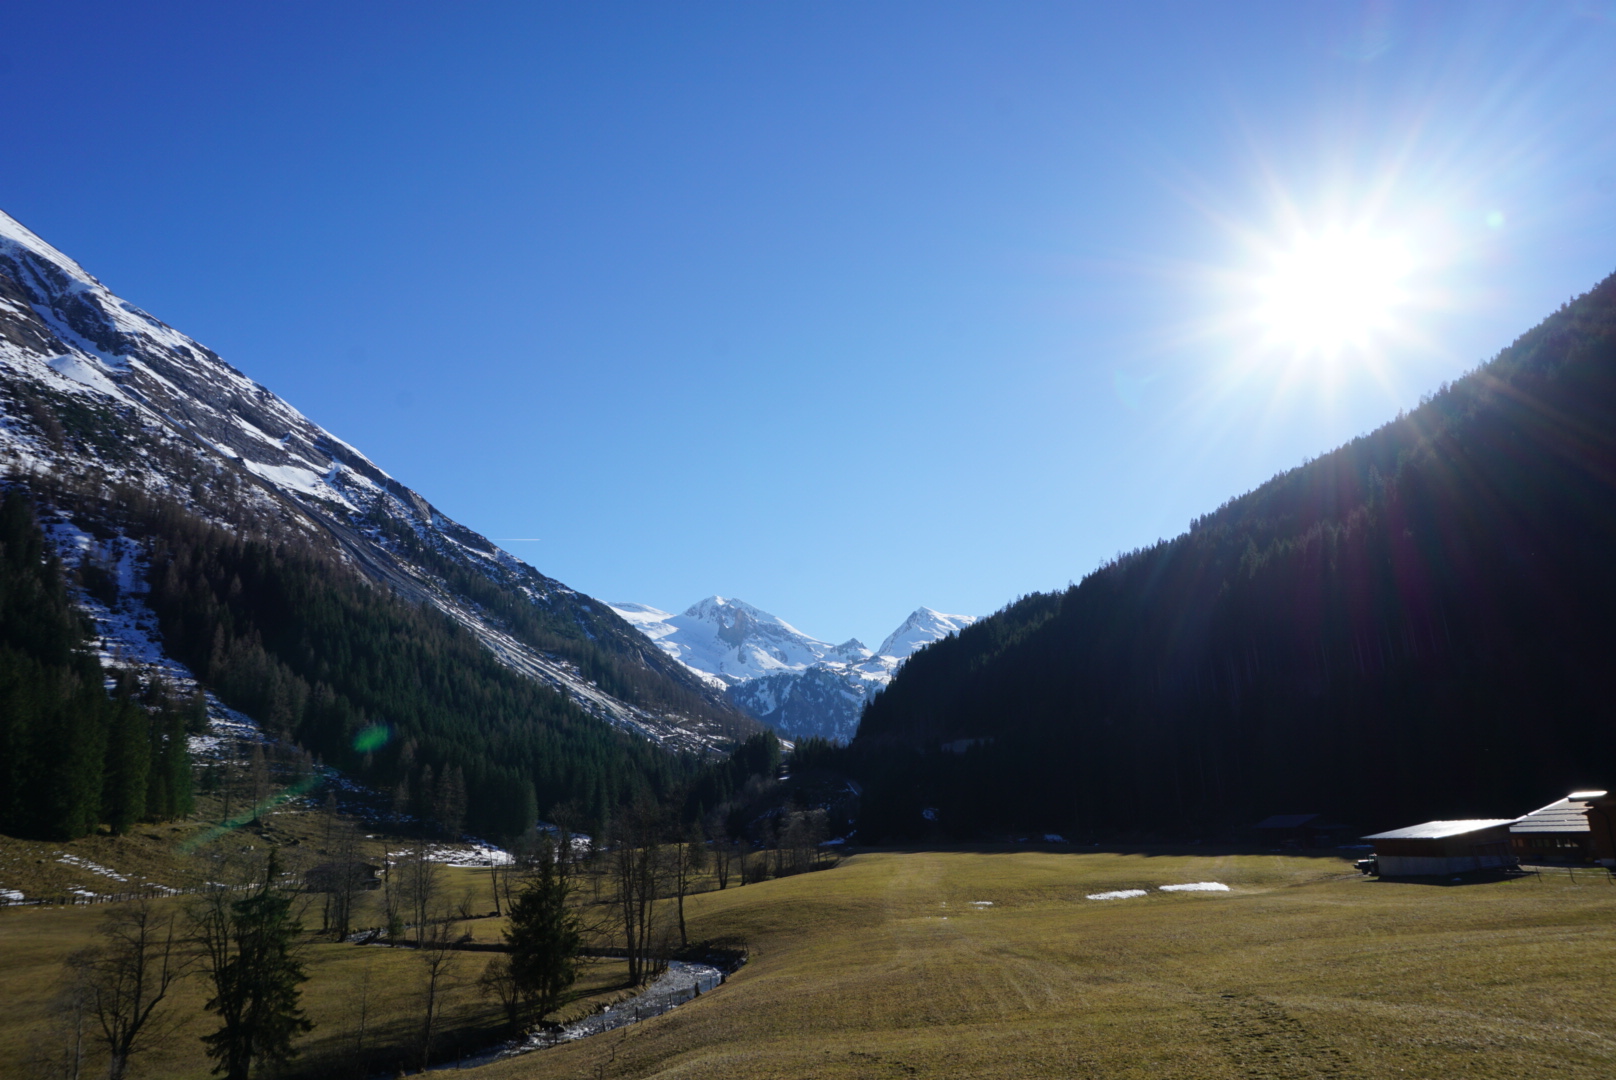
(1417, 625)
(112, 412)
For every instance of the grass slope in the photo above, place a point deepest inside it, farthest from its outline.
(883, 968)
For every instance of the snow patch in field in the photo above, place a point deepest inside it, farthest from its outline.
(981, 903)
(94, 868)
(1116, 894)
(11, 896)
(1197, 886)
(473, 855)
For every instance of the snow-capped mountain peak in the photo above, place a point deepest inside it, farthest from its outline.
(727, 640)
(795, 683)
(921, 629)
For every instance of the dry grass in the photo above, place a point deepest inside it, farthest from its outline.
(349, 987)
(376, 987)
(882, 968)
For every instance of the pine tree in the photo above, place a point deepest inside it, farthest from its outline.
(544, 939)
(248, 949)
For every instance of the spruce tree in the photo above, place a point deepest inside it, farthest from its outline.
(248, 947)
(544, 938)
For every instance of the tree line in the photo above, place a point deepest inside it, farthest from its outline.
(1415, 625)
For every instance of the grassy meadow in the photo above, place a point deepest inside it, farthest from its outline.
(974, 963)
(884, 968)
(366, 1002)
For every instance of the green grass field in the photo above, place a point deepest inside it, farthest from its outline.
(883, 968)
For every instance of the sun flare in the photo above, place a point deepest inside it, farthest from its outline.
(1333, 291)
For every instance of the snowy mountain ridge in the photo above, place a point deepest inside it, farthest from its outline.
(797, 684)
(94, 388)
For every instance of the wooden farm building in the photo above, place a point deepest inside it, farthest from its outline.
(1444, 847)
(1579, 828)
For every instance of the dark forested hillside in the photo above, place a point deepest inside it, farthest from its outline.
(1419, 624)
(399, 695)
(71, 756)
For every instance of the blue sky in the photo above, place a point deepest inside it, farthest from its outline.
(840, 309)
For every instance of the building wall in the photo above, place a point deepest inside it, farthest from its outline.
(1559, 845)
(1434, 865)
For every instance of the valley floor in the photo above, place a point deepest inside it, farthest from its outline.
(893, 966)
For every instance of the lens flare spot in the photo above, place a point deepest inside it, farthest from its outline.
(371, 738)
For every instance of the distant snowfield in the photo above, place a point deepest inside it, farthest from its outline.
(1117, 894)
(797, 684)
(729, 641)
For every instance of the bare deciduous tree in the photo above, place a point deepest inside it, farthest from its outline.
(637, 874)
(440, 962)
(499, 980)
(342, 876)
(410, 891)
(258, 779)
(61, 1052)
(359, 1006)
(687, 857)
(126, 977)
(723, 848)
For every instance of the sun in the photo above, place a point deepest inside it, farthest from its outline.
(1333, 292)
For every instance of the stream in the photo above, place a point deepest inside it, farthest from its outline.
(681, 982)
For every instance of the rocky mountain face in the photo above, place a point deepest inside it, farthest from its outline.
(96, 392)
(798, 685)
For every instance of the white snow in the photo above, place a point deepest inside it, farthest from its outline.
(730, 640)
(1197, 886)
(126, 636)
(84, 370)
(304, 481)
(466, 855)
(1117, 894)
(11, 896)
(86, 864)
(921, 629)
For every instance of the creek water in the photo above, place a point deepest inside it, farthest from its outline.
(680, 983)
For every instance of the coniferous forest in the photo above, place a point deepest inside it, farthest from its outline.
(1420, 624)
(399, 696)
(71, 756)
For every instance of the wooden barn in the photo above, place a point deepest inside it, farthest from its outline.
(1443, 847)
(1579, 828)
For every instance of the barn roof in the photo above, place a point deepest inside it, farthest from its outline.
(1437, 830)
(1566, 815)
